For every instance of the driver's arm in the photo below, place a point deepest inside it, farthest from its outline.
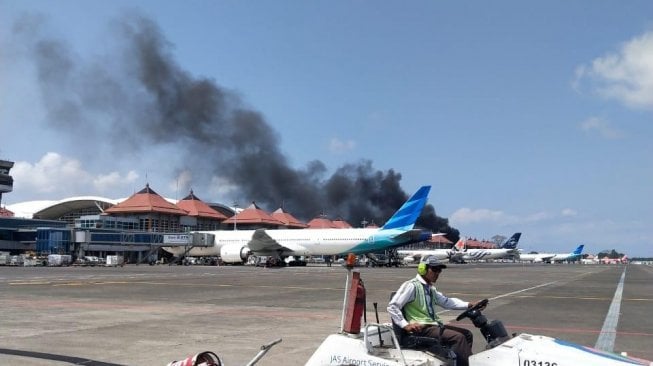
(451, 303)
(404, 295)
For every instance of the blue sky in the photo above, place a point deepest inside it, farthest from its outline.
(534, 117)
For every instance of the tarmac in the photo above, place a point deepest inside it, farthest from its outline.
(152, 315)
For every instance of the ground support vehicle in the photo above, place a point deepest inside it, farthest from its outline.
(375, 344)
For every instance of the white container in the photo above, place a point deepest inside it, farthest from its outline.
(115, 260)
(58, 260)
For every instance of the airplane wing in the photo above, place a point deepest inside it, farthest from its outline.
(413, 235)
(546, 257)
(262, 242)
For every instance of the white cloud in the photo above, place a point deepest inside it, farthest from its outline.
(568, 212)
(534, 217)
(108, 182)
(466, 215)
(626, 75)
(51, 174)
(602, 127)
(59, 176)
(338, 146)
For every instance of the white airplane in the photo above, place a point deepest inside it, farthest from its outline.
(536, 257)
(236, 246)
(507, 250)
(552, 257)
(415, 255)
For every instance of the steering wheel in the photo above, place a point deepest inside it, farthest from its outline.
(480, 305)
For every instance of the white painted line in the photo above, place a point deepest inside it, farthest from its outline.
(605, 342)
(512, 293)
(526, 289)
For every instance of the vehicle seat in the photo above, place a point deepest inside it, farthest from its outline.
(429, 344)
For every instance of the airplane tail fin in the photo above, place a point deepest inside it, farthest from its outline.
(512, 242)
(459, 246)
(405, 217)
(579, 249)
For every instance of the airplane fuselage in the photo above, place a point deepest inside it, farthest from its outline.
(482, 254)
(550, 257)
(300, 242)
(417, 254)
(236, 246)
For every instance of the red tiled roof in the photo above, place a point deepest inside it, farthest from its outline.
(5, 213)
(439, 239)
(146, 200)
(475, 243)
(287, 219)
(341, 224)
(253, 215)
(196, 207)
(321, 223)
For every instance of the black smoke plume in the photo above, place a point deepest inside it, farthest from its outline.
(139, 97)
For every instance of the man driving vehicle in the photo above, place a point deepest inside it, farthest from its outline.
(413, 309)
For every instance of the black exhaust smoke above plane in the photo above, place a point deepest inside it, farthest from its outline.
(140, 99)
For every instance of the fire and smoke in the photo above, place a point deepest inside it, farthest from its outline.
(141, 97)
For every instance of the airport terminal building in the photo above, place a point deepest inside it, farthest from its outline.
(135, 228)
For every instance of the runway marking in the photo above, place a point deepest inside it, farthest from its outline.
(527, 289)
(513, 293)
(606, 339)
(30, 283)
(524, 290)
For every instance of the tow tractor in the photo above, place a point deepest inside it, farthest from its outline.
(376, 344)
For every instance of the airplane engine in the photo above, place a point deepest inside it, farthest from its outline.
(234, 253)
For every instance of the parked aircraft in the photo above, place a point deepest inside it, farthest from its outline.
(236, 246)
(414, 255)
(573, 256)
(507, 250)
(536, 257)
(553, 257)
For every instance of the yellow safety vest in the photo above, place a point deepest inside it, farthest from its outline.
(417, 310)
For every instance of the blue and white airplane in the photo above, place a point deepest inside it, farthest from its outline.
(415, 255)
(236, 246)
(553, 257)
(508, 250)
(458, 253)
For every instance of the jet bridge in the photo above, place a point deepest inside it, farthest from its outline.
(188, 242)
(130, 241)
